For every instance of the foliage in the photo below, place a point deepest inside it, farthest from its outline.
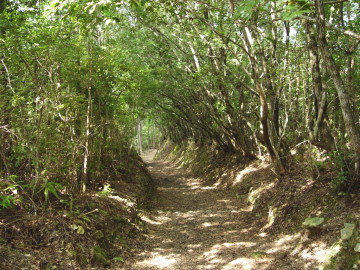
(313, 221)
(6, 201)
(79, 229)
(347, 231)
(78, 79)
(119, 259)
(341, 181)
(50, 188)
(69, 96)
(106, 191)
(84, 83)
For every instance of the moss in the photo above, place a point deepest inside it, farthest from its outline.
(83, 260)
(100, 256)
(259, 254)
(120, 220)
(72, 253)
(120, 241)
(3, 240)
(345, 256)
(99, 234)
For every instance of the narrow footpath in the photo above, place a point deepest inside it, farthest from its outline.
(200, 227)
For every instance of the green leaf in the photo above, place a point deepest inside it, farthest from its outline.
(119, 259)
(6, 201)
(313, 222)
(74, 227)
(80, 230)
(55, 4)
(46, 194)
(357, 247)
(289, 15)
(347, 231)
(51, 187)
(53, 191)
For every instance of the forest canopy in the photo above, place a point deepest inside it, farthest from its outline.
(81, 81)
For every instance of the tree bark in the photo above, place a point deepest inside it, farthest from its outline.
(349, 115)
(139, 136)
(275, 159)
(85, 170)
(320, 133)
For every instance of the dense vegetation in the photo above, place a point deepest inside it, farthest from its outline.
(85, 83)
(251, 77)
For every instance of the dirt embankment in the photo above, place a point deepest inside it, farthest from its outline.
(96, 230)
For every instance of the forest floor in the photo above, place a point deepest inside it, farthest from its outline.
(94, 230)
(197, 226)
(237, 215)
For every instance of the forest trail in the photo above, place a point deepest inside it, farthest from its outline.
(199, 227)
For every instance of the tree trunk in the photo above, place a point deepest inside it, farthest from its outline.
(85, 169)
(275, 159)
(349, 115)
(320, 133)
(139, 136)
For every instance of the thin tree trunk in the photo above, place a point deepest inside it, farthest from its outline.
(349, 115)
(139, 136)
(275, 159)
(85, 170)
(320, 134)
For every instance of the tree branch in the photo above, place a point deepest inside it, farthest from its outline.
(346, 32)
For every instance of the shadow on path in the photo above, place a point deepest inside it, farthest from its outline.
(201, 227)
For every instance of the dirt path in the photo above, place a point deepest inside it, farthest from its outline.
(199, 227)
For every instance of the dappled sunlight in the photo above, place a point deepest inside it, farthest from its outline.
(222, 200)
(286, 242)
(207, 188)
(194, 183)
(317, 251)
(127, 202)
(241, 176)
(200, 227)
(249, 208)
(218, 249)
(148, 155)
(159, 261)
(191, 246)
(158, 220)
(239, 244)
(271, 217)
(148, 220)
(209, 224)
(256, 193)
(162, 219)
(245, 230)
(287, 239)
(246, 264)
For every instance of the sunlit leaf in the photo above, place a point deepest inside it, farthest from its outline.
(313, 221)
(347, 231)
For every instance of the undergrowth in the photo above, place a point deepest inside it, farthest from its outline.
(53, 229)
